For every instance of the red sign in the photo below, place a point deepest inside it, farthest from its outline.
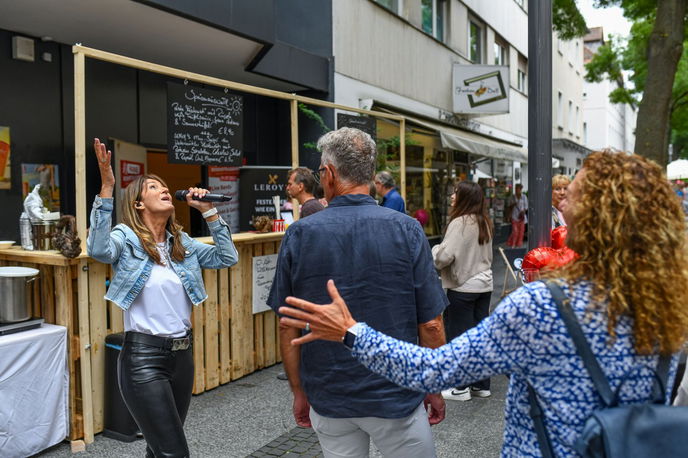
(130, 171)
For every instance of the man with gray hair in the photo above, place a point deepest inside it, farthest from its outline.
(386, 188)
(382, 265)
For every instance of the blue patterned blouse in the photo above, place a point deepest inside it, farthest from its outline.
(526, 339)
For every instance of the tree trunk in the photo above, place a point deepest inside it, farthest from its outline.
(663, 53)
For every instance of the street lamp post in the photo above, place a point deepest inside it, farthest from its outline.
(539, 122)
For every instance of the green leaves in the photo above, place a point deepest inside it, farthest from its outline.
(567, 21)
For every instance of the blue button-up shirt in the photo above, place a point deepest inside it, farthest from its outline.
(381, 263)
(394, 201)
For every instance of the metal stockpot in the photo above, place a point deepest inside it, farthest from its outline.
(15, 294)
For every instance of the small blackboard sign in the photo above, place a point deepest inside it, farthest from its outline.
(257, 185)
(364, 123)
(204, 126)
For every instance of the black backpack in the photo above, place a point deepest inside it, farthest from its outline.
(650, 429)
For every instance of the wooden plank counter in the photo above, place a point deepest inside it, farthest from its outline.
(229, 342)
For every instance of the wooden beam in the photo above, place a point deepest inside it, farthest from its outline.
(199, 78)
(402, 157)
(85, 350)
(80, 144)
(294, 117)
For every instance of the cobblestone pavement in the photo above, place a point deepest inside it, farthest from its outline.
(301, 442)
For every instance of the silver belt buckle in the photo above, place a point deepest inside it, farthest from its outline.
(180, 344)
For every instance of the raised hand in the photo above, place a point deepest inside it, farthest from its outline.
(107, 177)
(326, 322)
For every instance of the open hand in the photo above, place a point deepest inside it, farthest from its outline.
(107, 177)
(326, 322)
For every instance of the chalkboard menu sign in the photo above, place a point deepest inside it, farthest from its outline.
(364, 123)
(204, 126)
(257, 185)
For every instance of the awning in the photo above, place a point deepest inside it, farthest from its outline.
(473, 143)
(677, 170)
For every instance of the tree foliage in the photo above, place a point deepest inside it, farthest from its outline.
(567, 21)
(630, 56)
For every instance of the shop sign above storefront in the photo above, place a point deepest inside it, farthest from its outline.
(204, 126)
(480, 89)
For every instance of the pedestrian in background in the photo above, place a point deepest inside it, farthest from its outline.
(156, 280)
(519, 208)
(464, 259)
(386, 188)
(559, 185)
(628, 289)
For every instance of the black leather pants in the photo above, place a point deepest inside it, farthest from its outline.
(156, 385)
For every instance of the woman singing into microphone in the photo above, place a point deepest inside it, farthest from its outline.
(156, 280)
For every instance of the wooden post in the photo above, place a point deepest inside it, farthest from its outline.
(294, 105)
(85, 350)
(402, 157)
(80, 144)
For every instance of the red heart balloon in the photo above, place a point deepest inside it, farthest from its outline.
(559, 237)
(539, 257)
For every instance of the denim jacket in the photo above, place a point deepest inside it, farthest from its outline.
(132, 266)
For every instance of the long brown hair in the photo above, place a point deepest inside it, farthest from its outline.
(132, 218)
(470, 200)
(628, 229)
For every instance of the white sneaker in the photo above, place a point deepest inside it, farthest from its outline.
(477, 392)
(457, 395)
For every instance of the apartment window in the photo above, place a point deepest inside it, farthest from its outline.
(560, 110)
(501, 56)
(433, 14)
(575, 127)
(521, 74)
(475, 44)
(570, 117)
(585, 133)
(392, 5)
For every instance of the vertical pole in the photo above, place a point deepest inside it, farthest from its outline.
(402, 157)
(80, 144)
(294, 105)
(539, 123)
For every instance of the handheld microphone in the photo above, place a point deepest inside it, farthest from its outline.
(181, 195)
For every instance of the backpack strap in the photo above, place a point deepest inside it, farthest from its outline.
(582, 347)
(539, 424)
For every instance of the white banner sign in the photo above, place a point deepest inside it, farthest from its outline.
(263, 272)
(481, 89)
(225, 180)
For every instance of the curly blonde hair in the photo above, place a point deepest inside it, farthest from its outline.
(628, 229)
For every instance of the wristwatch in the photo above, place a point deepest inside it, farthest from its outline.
(350, 336)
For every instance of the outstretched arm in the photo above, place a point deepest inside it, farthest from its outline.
(479, 353)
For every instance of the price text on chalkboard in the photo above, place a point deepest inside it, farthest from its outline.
(204, 127)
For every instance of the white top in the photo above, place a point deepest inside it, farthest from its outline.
(162, 308)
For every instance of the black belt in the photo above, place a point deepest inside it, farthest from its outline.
(166, 343)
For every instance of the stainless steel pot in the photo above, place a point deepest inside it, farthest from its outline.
(15, 294)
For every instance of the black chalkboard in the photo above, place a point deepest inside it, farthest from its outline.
(204, 126)
(364, 123)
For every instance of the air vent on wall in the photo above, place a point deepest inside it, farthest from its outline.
(23, 49)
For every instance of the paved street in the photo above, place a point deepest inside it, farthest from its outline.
(252, 417)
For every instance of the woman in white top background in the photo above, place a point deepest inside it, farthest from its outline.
(560, 184)
(464, 259)
(156, 280)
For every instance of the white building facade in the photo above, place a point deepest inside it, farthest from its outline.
(605, 124)
(401, 56)
(568, 133)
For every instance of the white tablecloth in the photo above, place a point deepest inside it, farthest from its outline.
(34, 385)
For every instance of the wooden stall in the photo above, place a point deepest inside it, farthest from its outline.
(229, 341)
